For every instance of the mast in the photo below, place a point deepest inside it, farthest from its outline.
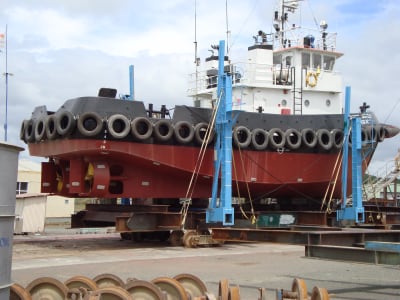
(6, 74)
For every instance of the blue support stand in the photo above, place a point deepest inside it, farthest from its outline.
(222, 210)
(355, 212)
(131, 82)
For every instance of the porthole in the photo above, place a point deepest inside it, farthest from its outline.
(306, 102)
(284, 102)
(328, 102)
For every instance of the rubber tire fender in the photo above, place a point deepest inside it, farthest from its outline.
(337, 138)
(30, 131)
(277, 138)
(259, 139)
(51, 129)
(40, 129)
(200, 131)
(65, 123)
(324, 139)
(141, 128)
(293, 138)
(380, 133)
(309, 137)
(183, 132)
(92, 130)
(241, 137)
(118, 126)
(22, 130)
(163, 130)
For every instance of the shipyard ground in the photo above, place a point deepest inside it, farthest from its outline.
(249, 265)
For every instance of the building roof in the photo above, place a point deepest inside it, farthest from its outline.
(31, 195)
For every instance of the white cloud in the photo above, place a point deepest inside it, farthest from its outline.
(62, 49)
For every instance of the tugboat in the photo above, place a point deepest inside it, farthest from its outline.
(287, 136)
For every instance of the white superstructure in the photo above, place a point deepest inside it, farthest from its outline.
(290, 71)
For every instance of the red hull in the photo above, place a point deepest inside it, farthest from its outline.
(138, 170)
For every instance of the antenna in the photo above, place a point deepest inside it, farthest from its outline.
(227, 28)
(6, 74)
(196, 59)
(195, 35)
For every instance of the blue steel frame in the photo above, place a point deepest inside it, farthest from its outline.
(222, 210)
(355, 212)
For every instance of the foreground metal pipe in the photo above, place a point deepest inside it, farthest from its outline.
(8, 178)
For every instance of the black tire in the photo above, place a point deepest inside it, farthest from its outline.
(51, 127)
(293, 138)
(118, 126)
(90, 124)
(22, 130)
(40, 129)
(259, 139)
(200, 130)
(183, 132)
(163, 130)
(324, 139)
(241, 137)
(364, 136)
(309, 137)
(65, 123)
(337, 138)
(276, 138)
(141, 128)
(30, 131)
(380, 133)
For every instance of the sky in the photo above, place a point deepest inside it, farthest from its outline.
(62, 49)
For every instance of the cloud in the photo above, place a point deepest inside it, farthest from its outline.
(62, 49)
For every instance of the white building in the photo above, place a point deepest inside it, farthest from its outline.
(28, 182)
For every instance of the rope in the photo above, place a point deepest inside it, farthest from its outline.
(335, 173)
(253, 217)
(237, 188)
(199, 162)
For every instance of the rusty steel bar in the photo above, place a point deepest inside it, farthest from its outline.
(341, 237)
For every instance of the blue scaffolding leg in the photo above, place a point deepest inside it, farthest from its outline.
(355, 212)
(222, 210)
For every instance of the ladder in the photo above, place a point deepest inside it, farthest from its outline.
(297, 93)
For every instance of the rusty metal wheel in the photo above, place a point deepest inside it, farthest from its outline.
(223, 289)
(47, 288)
(263, 294)
(299, 286)
(319, 294)
(108, 280)
(175, 239)
(81, 282)
(17, 292)
(189, 239)
(234, 293)
(110, 293)
(173, 289)
(192, 284)
(144, 290)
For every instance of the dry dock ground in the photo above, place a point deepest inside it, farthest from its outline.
(249, 265)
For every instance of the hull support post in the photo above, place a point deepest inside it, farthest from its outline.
(221, 210)
(355, 211)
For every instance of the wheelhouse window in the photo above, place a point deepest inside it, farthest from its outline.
(277, 59)
(22, 188)
(305, 60)
(317, 60)
(329, 62)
